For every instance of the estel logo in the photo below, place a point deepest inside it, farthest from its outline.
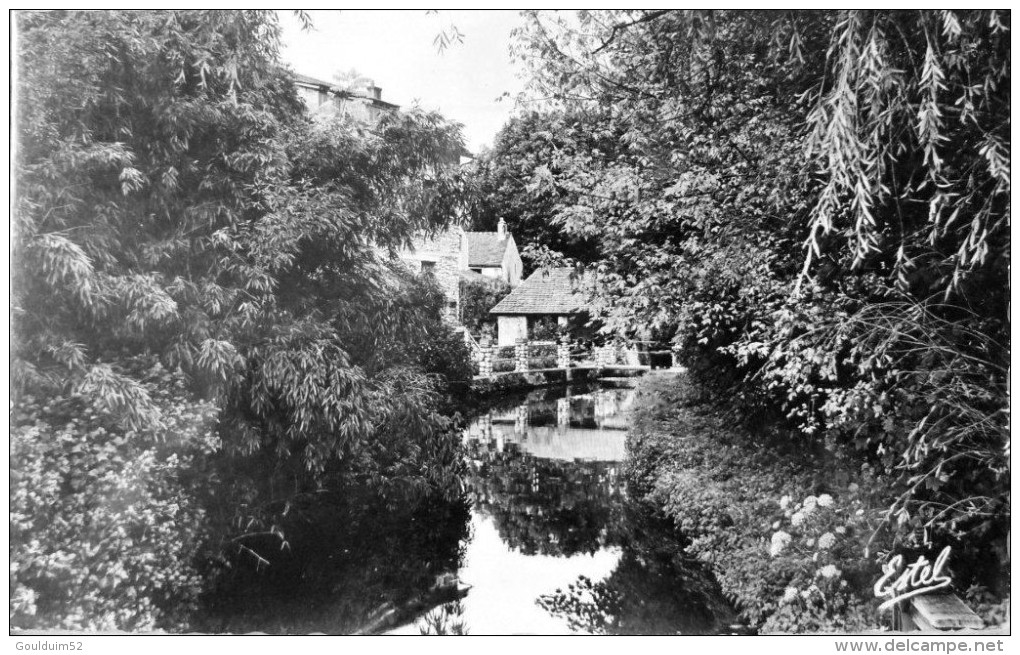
(920, 577)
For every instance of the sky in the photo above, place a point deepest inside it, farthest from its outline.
(395, 49)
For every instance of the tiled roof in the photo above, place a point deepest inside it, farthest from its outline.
(485, 248)
(546, 291)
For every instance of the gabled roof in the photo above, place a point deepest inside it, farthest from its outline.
(486, 248)
(546, 291)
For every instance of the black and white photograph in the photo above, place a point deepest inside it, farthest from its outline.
(687, 323)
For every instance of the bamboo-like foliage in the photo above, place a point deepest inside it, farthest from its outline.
(200, 272)
(173, 199)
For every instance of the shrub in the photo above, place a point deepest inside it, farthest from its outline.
(477, 298)
(103, 525)
(922, 394)
(732, 495)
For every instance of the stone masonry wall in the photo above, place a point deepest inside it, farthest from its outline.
(443, 251)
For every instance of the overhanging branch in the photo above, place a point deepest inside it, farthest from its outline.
(620, 27)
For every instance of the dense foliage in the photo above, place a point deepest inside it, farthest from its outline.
(814, 207)
(509, 178)
(788, 530)
(477, 297)
(101, 519)
(175, 206)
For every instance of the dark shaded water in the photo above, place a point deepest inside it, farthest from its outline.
(545, 541)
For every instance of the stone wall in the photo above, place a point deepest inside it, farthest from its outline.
(521, 349)
(442, 253)
(486, 356)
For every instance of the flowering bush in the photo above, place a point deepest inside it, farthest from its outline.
(820, 546)
(784, 528)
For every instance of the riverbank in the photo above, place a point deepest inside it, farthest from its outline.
(786, 528)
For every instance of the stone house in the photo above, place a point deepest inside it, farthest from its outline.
(444, 257)
(457, 254)
(548, 294)
(494, 255)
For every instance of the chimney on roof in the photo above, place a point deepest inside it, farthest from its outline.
(374, 92)
(501, 228)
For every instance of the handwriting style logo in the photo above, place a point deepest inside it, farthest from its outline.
(919, 578)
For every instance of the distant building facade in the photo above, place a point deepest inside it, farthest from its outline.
(443, 256)
(456, 254)
(329, 99)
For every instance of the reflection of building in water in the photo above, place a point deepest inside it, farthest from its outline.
(563, 411)
(521, 419)
(590, 427)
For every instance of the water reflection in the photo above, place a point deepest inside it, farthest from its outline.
(556, 545)
(544, 541)
(351, 564)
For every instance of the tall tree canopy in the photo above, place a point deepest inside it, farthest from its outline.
(197, 262)
(510, 179)
(815, 206)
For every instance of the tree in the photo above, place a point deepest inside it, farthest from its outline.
(188, 241)
(872, 141)
(477, 297)
(512, 178)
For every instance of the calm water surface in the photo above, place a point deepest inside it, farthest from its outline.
(555, 546)
(544, 541)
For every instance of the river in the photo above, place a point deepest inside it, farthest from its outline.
(555, 545)
(544, 540)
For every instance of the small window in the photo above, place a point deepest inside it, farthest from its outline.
(477, 270)
(428, 268)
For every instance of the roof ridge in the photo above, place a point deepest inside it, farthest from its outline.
(545, 291)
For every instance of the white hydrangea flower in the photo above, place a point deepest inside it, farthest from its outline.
(790, 594)
(780, 541)
(840, 530)
(775, 526)
(825, 500)
(829, 571)
(809, 504)
(810, 542)
(784, 502)
(797, 518)
(826, 541)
